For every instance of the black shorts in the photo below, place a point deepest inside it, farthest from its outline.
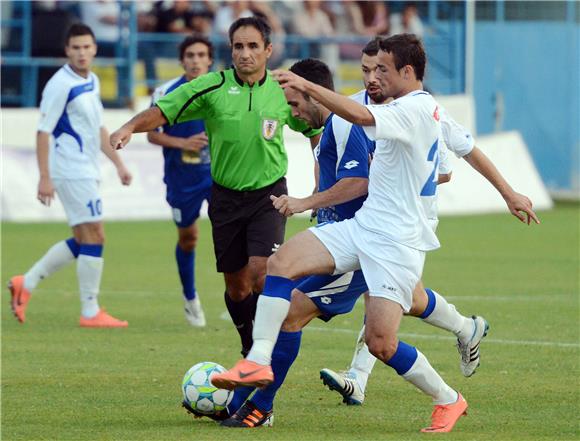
(245, 224)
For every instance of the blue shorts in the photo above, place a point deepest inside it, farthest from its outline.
(186, 206)
(334, 294)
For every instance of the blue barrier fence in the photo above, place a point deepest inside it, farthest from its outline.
(444, 42)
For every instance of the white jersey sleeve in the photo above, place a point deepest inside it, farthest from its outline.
(444, 164)
(457, 138)
(52, 105)
(101, 108)
(392, 121)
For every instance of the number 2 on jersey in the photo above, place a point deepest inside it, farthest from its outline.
(430, 187)
(96, 207)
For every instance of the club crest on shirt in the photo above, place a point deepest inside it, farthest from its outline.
(269, 127)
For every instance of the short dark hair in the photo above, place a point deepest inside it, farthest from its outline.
(77, 30)
(257, 23)
(372, 47)
(314, 71)
(407, 49)
(192, 39)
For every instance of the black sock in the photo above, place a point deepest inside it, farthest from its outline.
(242, 314)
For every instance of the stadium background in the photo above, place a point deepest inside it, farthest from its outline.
(508, 70)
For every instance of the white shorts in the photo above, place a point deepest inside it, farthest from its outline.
(81, 200)
(391, 269)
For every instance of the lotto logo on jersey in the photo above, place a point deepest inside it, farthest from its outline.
(351, 164)
(436, 113)
(269, 127)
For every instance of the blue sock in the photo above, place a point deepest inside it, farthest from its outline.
(241, 394)
(430, 304)
(285, 352)
(94, 250)
(73, 246)
(404, 358)
(276, 286)
(186, 267)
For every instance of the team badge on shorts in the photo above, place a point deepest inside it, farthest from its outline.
(269, 127)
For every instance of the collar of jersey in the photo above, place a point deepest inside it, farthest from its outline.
(241, 82)
(417, 92)
(76, 75)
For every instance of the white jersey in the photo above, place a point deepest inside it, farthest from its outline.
(454, 136)
(403, 170)
(71, 110)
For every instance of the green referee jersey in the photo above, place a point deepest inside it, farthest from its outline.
(244, 125)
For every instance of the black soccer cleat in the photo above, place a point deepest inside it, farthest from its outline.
(249, 416)
(219, 416)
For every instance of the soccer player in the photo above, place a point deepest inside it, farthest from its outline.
(71, 111)
(387, 238)
(187, 171)
(428, 305)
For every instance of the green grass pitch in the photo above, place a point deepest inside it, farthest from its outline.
(60, 382)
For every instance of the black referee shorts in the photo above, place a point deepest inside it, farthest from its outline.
(244, 224)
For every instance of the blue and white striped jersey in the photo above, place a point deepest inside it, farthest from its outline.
(71, 110)
(343, 152)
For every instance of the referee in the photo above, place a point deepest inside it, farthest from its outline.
(244, 111)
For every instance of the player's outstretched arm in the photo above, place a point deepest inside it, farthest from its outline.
(343, 106)
(45, 188)
(124, 174)
(518, 204)
(192, 143)
(142, 122)
(343, 191)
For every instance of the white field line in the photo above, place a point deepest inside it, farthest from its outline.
(330, 328)
(492, 298)
(554, 344)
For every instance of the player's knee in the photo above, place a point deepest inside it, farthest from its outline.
(258, 283)
(381, 347)
(187, 244)
(277, 266)
(91, 234)
(187, 239)
(417, 307)
(239, 291)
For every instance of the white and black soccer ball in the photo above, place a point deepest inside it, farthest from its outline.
(200, 394)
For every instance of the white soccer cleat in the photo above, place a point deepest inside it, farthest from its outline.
(194, 313)
(469, 351)
(345, 384)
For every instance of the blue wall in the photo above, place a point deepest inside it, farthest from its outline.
(534, 67)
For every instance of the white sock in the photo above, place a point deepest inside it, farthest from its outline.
(426, 379)
(54, 259)
(445, 316)
(89, 270)
(362, 361)
(270, 314)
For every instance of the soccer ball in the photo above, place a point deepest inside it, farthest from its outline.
(200, 394)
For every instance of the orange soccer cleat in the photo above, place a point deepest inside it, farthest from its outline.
(102, 320)
(445, 416)
(244, 373)
(20, 297)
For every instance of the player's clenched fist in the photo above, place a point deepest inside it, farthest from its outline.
(120, 138)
